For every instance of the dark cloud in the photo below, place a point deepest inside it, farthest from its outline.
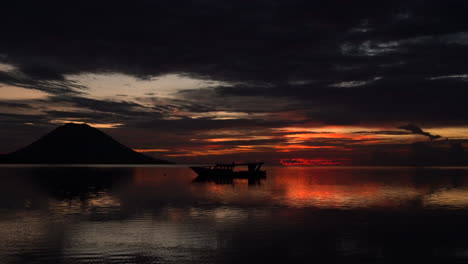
(191, 125)
(417, 130)
(260, 41)
(383, 132)
(13, 104)
(6, 118)
(89, 117)
(17, 130)
(406, 99)
(126, 108)
(60, 86)
(171, 104)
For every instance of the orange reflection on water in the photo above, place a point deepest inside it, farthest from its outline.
(328, 188)
(307, 186)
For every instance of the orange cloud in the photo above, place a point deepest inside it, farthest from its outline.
(244, 138)
(207, 150)
(289, 148)
(150, 150)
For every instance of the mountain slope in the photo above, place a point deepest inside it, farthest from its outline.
(78, 144)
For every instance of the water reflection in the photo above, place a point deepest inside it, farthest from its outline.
(300, 214)
(125, 188)
(228, 180)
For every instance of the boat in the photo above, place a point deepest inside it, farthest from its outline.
(227, 170)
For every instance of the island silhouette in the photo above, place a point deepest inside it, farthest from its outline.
(77, 144)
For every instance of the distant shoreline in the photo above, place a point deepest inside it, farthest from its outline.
(19, 165)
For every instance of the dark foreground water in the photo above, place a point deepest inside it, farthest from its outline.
(296, 215)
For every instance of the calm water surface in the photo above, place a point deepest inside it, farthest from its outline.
(296, 215)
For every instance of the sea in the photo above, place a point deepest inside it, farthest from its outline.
(165, 214)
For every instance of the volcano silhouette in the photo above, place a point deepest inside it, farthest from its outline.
(78, 144)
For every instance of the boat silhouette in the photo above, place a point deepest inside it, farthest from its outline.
(227, 170)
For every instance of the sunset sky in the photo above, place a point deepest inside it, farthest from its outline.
(313, 82)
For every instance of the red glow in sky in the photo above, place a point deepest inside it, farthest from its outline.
(314, 162)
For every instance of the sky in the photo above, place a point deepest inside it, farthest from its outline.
(197, 81)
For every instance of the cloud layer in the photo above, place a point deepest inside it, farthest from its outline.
(204, 67)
